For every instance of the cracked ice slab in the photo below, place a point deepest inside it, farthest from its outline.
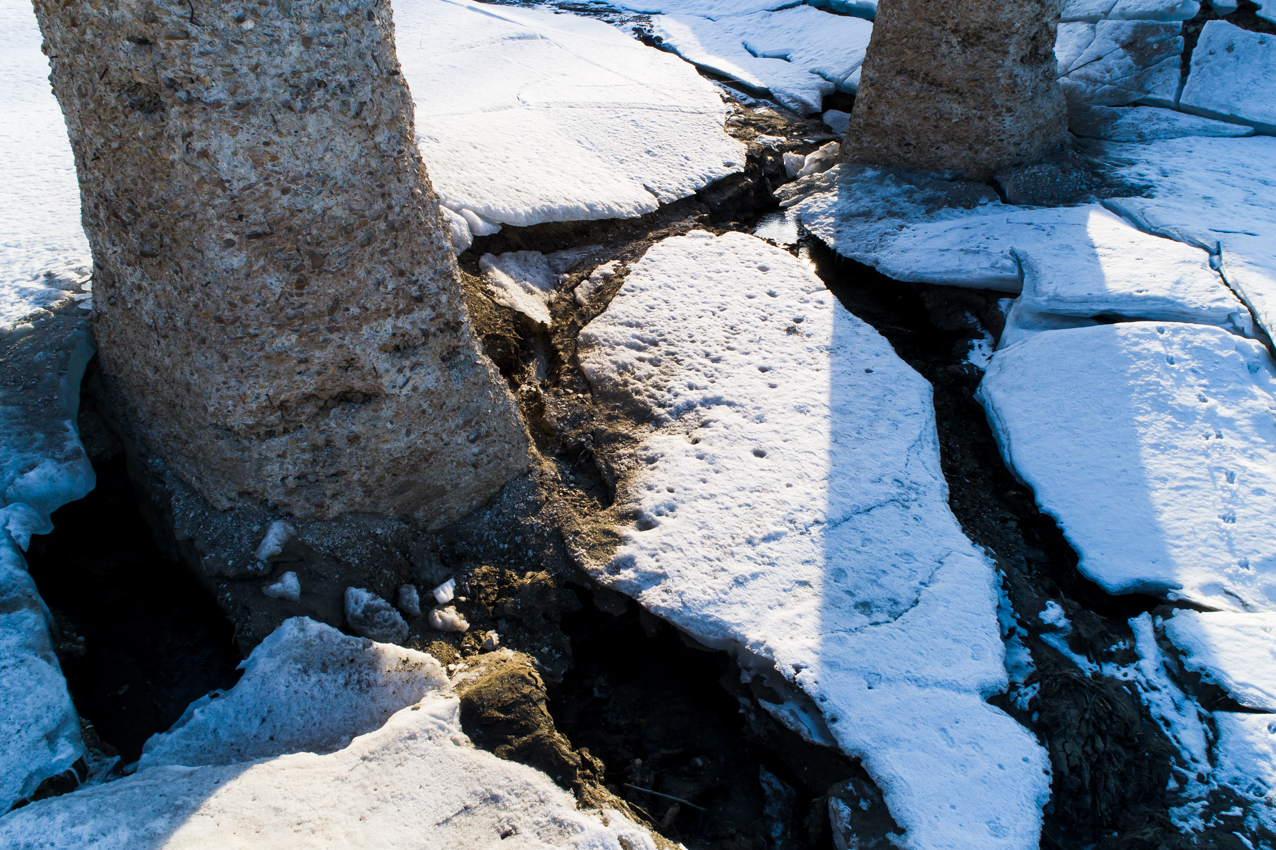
(1113, 63)
(1214, 194)
(404, 775)
(39, 197)
(524, 116)
(799, 54)
(1235, 651)
(1154, 447)
(786, 502)
(1231, 77)
(1092, 11)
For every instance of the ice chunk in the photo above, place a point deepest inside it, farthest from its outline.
(1154, 446)
(1113, 63)
(447, 620)
(1130, 10)
(1231, 77)
(279, 533)
(305, 688)
(445, 592)
(1235, 651)
(403, 774)
(798, 54)
(522, 281)
(589, 287)
(525, 116)
(1145, 124)
(458, 230)
(1022, 323)
(839, 122)
(1108, 267)
(288, 587)
(408, 600)
(787, 504)
(372, 617)
(820, 160)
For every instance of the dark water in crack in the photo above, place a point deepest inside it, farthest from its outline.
(153, 639)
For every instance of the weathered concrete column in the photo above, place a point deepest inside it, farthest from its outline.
(961, 85)
(275, 299)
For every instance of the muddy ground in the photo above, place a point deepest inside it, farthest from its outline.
(609, 701)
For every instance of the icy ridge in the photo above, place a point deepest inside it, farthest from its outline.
(788, 501)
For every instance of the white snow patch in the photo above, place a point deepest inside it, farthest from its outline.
(588, 288)
(1179, 715)
(1053, 615)
(458, 230)
(403, 774)
(278, 534)
(408, 600)
(1145, 124)
(1130, 10)
(798, 54)
(288, 587)
(447, 620)
(524, 116)
(1246, 758)
(1154, 446)
(522, 281)
(788, 504)
(1235, 651)
(1231, 77)
(372, 617)
(981, 349)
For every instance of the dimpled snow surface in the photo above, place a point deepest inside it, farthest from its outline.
(786, 503)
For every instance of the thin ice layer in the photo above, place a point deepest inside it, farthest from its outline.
(39, 196)
(1154, 446)
(1235, 651)
(414, 782)
(799, 54)
(524, 116)
(787, 503)
(1231, 77)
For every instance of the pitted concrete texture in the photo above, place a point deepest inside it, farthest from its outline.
(959, 85)
(276, 301)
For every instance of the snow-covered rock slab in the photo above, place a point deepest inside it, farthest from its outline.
(1091, 11)
(1113, 63)
(39, 197)
(1145, 124)
(1154, 447)
(1231, 77)
(1104, 266)
(524, 116)
(1235, 651)
(522, 281)
(798, 54)
(1214, 194)
(409, 779)
(787, 504)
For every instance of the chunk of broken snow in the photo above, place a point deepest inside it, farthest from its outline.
(838, 121)
(458, 230)
(820, 160)
(305, 688)
(1113, 63)
(798, 54)
(589, 287)
(445, 592)
(356, 741)
(1145, 124)
(1130, 10)
(1235, 651)
(1154, 446)
(522, 281)
(525, 116)
(279, 533)
(1104, 266)
(372, 617)
(288, 587)
(788, 504)
(408, 600)
(1231, 77)
(447, 620)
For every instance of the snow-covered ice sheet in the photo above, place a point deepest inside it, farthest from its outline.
(798, 54)
(786, 503)
(1146, 124)
(1113, 63)
(414, 781)
(1231, 77)
(524, 116)
(1130, 10)
(522, 281)
(1105, 266)
(1154, 447)
(1235, 651)
(39, 197)
(1215, 194)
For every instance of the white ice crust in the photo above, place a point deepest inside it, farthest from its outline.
(798, 54)
(1235, 651)
(403, 774)
(787, 503)
(1231, 77)
(39, 195)
(1154, 446)
(524, 116)
(522, 281)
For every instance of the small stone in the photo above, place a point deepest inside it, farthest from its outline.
(445, 592)
(492, 642)
(372, 617)
(447, 620)
(409, 600)
(288, 587)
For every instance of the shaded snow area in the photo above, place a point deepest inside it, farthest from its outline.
(786, 503)
(797, 55)
(525, 116)
(43, 251)
(328, 740)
